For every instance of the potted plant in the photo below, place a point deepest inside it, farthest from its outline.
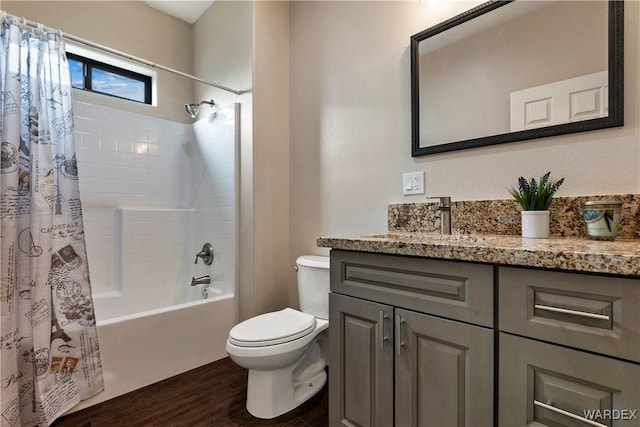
(535, 197)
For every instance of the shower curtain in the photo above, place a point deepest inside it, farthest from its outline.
(49, 356)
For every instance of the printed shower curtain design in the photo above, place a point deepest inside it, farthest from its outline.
(49, 357)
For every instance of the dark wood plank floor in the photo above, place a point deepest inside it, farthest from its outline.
(212, 395)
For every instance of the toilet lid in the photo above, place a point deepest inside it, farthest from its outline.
(272, 328)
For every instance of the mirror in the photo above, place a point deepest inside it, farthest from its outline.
(509, 71)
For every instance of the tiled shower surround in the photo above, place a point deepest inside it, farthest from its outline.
(502, 217)
(153, 191)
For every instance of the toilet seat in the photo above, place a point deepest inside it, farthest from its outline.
(272, 328)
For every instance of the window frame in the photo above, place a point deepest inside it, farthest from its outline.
(88, 64)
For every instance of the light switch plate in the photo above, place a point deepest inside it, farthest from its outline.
(413, 183)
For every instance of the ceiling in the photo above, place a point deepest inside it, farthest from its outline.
(187, 10)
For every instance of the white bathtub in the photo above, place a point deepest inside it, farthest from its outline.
(142, 238)
(143, 348)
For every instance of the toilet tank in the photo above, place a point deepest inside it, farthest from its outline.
(313, 285)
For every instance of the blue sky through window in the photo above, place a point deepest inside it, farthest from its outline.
(77, 78)
(117, 85)
(93, 76)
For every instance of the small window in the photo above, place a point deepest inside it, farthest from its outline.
(93, 76)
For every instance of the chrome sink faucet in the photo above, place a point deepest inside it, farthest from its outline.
(442, 204)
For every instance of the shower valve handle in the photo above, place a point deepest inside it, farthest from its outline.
(206, 254)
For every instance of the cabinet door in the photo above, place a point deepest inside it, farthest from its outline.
(360, 362)
(548, 385)
(444, 372)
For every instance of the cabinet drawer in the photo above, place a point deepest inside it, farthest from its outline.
(590, 312)
(456, 290)
(548, 385)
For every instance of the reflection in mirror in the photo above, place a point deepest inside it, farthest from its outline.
(509, 71)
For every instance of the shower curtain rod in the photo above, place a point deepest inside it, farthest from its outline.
(130, 57)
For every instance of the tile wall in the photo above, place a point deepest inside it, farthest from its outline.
(132, 165)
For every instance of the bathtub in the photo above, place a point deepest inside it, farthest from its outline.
(142, 232)
(143, 348)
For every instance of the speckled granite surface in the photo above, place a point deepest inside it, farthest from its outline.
(502, 217)
(567, 253)
(489, 231)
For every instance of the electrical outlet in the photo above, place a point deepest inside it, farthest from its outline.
(413, 183)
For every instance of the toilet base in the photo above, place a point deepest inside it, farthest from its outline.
(273, 393)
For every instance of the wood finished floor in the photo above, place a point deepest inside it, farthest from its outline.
(212, 395)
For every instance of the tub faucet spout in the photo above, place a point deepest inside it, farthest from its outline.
(204, 280)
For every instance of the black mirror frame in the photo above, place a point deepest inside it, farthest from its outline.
(616, 86)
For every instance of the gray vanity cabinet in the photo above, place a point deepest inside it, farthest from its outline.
(360, 362)
(443, 372)
(418, 341)
(549, 385)
(592, 312)
(392, 363)
(586, 371)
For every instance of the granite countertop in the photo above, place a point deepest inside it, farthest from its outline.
(621, 257)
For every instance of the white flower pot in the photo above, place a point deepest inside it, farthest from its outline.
(535, 224)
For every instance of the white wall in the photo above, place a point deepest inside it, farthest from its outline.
(214, 164)
(125, 160)
(244, 45)
(153, 192)
(132, 27)
(223, 49)
(351, 124)
(272, 267)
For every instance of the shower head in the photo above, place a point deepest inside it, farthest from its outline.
(193, 109)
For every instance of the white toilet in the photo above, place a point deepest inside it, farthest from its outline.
(286, 351)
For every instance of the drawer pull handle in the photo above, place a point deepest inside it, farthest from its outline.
(399, 342)
(574, 312)
(568, 414)
(382, 336)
